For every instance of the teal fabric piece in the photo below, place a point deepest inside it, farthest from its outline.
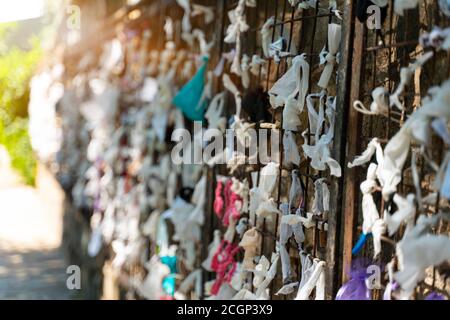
(171, 262)
(168, 285)
(168, 282)
(188, 98)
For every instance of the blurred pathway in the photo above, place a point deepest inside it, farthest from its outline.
(31, 263)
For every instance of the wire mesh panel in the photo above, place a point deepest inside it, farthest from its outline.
(299, 31)
(380, 61)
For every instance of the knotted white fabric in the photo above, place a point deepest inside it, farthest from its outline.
(438, 38)
(260, 271)
(241, 189)
(290, 148)
(238, 280)
(268, 179)
(230, 86)
(276, 50)
(255, 200)
(378, 229)
(416, 127)
(215, 111)
(271, 273)
(316, 118)
(321, 201)
(372, 222)
(295, 191)
(266, 36)
(286, 231)
(267, 208)
(314, 278)
(261, 201)
(151, 287)
(235, 161)
(416, 178)
(418, 250)
(187, 220)
(205, 47)
(257, 64)
(245, 135)
(287, 288)
(379, 105)
(231, 230)
(212, 249)
(186, 21)
(251, 242)
(226, 57)
(291, 224)
(113, 54)
(263, 275)
(294, 82)
(192, 281)
(125, 253)
(406, 212)
(238, 25)
(198, 198)
(150, 227)
(245, 67)
(334, 39)
(405, 76)
(369, 208)
(169, 28)
(440, 128)
(96, 240)
(320, 151)
(372, 147)
(206, 11)
(242, 226)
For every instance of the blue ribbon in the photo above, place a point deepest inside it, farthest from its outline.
(360, 243)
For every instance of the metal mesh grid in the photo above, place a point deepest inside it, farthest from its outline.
(305, 31)
(378, 62)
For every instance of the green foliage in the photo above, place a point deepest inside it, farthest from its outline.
(16, 69)
(14, 136)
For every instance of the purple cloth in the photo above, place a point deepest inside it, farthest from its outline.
(356, 288)
(434, 296)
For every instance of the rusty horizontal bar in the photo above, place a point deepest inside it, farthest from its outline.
(322, 15)
(392, 45)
